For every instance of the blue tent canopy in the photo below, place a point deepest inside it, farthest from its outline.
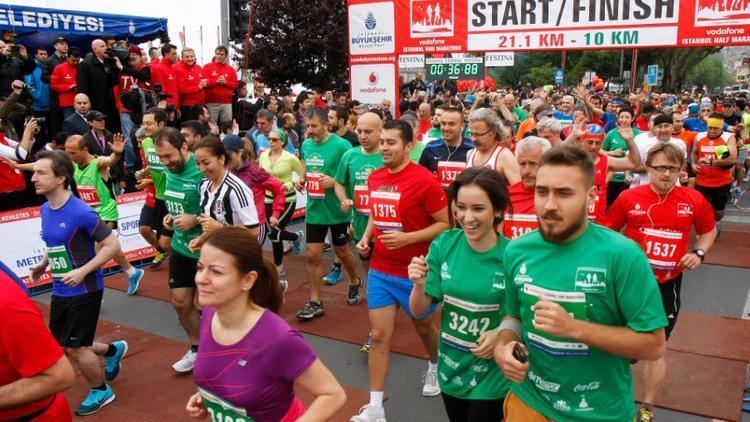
(38, 27)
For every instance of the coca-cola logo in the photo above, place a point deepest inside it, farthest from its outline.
(592, 386)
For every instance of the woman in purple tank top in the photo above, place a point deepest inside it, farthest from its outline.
(249, 358)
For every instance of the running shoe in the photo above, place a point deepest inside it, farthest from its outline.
(311, 310)
(288, 246)
(644, 415)
(284, 285)
(281, 270)
(327, 247)
(159, 259)
(334, 275)
(747, 178)
(367, 344)
(297, 244)
(431, 387)
(95, 401)
(355, 294)
(113, 364)
(186, 363)
(369, 413)
(134, 281)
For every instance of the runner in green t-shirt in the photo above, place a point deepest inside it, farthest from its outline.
(91, 175)
(182, 200)
(464, 271)
(351, 183)
(152, 180)
(583, 301)
(615, 146)
(321, 155)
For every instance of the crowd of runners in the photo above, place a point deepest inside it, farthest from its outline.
(538, 247)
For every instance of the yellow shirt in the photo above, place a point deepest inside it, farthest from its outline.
(282, 169)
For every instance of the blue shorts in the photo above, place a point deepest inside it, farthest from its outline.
(384, 290)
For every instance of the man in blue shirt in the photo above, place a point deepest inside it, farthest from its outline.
(69, 230)
(446, 157)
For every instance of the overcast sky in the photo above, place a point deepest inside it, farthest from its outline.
(188, 13)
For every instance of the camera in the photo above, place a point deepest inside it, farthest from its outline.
(159, 91)
(41, 120)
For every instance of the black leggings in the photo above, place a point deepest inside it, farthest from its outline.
(466, 410)
(278, 234)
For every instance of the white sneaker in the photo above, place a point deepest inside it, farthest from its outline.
(284, 285)
(431, 387)
(369, 413)
(186, 363)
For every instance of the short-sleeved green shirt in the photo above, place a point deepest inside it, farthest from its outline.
(601, 277)
(353, 171)
(612, 141)
(155, 167)
(471, 286)
(323, 207)
(93, 191)
(182, 197)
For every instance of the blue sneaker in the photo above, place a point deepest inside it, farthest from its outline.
(95, 401)
(334, 276)
(134, 281)
(297, 244)
(113, 363)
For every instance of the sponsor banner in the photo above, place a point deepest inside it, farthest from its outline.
(22, 245)
(372, 28)
(373, 83)
(498, 59)
(453, 26)
(411, 61)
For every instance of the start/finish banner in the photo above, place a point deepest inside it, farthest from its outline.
(450, 26)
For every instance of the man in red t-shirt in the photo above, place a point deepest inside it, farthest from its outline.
(222, 81)
(33, 369)
(521, 218)
(659, 217)
(408, 209)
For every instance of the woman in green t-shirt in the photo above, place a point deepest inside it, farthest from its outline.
(464, 271)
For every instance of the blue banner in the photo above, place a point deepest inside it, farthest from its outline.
(36, 26)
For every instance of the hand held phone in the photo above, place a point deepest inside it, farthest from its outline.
(520, 354)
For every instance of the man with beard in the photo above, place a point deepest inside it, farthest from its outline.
(575, 319)
(659, 217)
(337, 118)
(182, 199)
(434, 133)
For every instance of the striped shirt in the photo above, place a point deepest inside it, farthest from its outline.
(231, 203)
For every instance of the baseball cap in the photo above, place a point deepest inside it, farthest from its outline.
(705, 105)
(233, 143)
(135, 49)
(95, 115)
(692, 108)
(617, 102)
(663, 118)
(728, 102)
(706, 100)
(594, 131)
(59, 40)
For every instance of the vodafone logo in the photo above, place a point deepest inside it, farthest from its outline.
(372, 79)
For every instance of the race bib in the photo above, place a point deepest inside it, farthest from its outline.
(573, 302)
(59, 261)
(362, 199)
(89, 195)
(154, 163)
(220, 410)
(314, 188)
(664, 249)
(593, 209)
(516, 225)
(464, 322)
(448, 171)
(385, 210)
(173, 201)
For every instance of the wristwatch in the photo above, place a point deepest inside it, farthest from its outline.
(700, 252)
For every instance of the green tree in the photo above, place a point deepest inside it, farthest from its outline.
(540, 75)
(710, 72)
(299, 42)
(676, 62)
